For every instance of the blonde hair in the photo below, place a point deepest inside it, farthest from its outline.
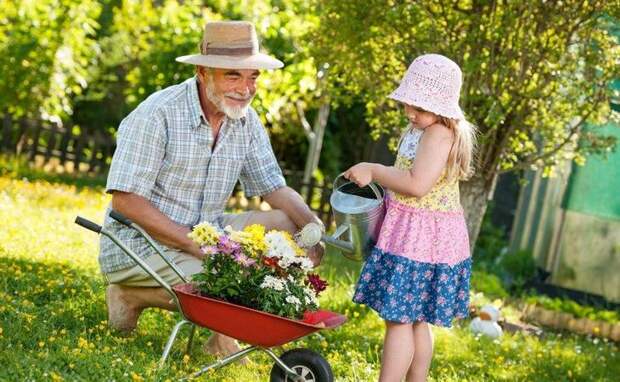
(460, 159)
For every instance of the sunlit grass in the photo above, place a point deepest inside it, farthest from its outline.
(53, 320)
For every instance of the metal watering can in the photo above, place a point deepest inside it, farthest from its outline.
(358, 213)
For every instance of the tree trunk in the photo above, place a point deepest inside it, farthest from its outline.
(475, 195)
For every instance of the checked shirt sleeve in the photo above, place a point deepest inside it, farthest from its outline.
(140, 148)
(261, 173)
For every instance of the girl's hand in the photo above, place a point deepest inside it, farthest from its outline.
(360, 174)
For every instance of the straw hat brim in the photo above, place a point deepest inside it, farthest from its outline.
(254, 61)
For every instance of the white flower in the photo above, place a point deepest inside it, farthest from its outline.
(279, 247)
(310, 297)
(293, 300)
(273, 283)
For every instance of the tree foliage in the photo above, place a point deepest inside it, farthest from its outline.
(534, 72)
(46, 49)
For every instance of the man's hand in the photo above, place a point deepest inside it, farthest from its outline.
(316, 254)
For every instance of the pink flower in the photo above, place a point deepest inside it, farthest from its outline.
(366, 276)
(227, 246)
(209, 249)
(243, 260)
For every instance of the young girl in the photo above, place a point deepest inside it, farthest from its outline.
(418, 272)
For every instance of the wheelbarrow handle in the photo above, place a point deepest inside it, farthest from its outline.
(98, 229)
(88, 224)
(120, 218)
(127, 222)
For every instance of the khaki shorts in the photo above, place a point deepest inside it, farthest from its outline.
(188, 264)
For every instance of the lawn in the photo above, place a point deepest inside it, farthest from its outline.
(53, 319)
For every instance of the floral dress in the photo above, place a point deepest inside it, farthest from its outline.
(419, 269)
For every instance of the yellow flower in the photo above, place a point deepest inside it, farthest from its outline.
(204, 234)
(254, 240)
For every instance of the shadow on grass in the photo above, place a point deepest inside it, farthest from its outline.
(19, 168)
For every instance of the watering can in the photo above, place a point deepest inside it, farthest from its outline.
(358, 212)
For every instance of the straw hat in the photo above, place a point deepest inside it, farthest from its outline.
(433, 83)
(231, 45)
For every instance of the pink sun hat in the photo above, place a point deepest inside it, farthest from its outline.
(433, 83)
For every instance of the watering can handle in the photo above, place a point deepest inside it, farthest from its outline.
(372, 186)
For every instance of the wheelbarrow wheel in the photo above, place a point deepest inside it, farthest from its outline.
(310, 365)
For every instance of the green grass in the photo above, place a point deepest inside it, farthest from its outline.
(53, 319)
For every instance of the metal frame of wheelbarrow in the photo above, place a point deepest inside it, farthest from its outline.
(289, 372)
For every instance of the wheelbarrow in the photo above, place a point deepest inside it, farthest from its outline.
(260, 330)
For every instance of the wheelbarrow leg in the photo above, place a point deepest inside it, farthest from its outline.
(222, 362)
(171, 339)
(191, 339)
(290, 373)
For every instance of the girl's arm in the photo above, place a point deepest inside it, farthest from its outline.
(428, 166)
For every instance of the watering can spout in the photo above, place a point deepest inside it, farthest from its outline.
(340, 244)
(335, 242)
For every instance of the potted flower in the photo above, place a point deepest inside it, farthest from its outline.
(266, 271)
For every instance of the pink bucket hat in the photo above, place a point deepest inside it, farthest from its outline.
(433, 83)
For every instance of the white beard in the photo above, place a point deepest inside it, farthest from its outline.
(232, 112)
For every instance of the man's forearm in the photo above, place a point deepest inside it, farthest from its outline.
(291, 203)
(153, 221)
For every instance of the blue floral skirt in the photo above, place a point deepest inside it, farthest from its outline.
(407, 291)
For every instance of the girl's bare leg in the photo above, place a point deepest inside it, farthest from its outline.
(398, 348)
(421, 362)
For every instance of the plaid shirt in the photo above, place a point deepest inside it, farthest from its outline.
(164, 154)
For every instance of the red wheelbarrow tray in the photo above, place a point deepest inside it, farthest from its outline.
(251, 326)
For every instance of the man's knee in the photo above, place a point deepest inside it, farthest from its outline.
(274, 219)
(284, 222)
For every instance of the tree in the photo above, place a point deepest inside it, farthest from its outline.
(144, 37)
(46, 48)
(534, 73)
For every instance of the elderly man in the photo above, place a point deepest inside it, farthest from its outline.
(179, 155)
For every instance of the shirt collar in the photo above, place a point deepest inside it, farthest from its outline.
(197, 115)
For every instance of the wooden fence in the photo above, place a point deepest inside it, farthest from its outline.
(76, 150)
(44, 142)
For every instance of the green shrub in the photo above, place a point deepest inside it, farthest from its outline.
(569, 306)
(488, 283)
(516, 269)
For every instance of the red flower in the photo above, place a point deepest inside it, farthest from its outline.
(317, 284)
(271, 262)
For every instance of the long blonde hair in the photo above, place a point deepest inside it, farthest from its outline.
(460, 159)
